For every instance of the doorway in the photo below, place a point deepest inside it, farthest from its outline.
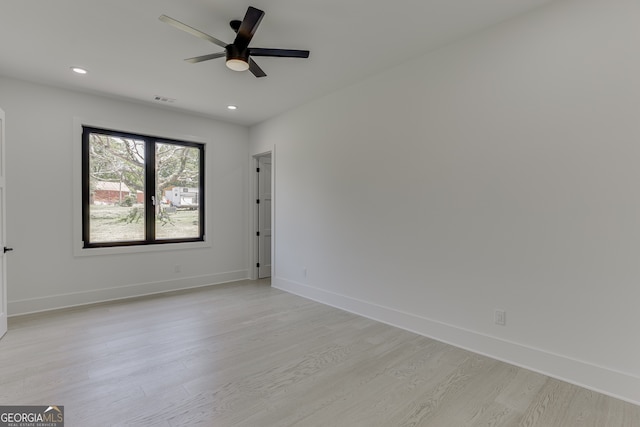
(263, 215)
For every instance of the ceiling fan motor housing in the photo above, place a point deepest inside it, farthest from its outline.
(237, 59)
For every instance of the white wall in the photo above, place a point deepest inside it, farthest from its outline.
(43, 271)
(499, 172)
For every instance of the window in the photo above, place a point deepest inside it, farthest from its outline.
(140, 190)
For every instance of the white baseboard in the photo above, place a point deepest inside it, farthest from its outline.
(604, 380)
(54, 302)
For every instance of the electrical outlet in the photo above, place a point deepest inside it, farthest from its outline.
(304, 272)
(177, 269)
(500, 317)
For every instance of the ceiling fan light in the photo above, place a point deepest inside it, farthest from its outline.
(237, 64)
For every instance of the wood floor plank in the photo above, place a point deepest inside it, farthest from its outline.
(247, 355)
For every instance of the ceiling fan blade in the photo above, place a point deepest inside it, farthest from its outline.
(248, 27)
(184, 27)
(281, 53)
(202, 58)
(257, 71)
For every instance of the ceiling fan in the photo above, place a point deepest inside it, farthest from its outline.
(238, 53)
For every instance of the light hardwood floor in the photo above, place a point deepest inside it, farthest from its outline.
(245, 354)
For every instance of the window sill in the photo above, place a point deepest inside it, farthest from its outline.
(119, 250)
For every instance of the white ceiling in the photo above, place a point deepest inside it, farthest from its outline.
(130, 54)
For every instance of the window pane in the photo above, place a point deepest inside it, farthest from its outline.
(178, 189)
(140, 190)
(116, 185)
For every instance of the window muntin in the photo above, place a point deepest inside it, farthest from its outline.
(126, 189)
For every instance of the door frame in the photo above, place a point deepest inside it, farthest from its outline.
(254, 192)
(3, 234)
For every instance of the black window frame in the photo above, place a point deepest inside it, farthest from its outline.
(150, 173)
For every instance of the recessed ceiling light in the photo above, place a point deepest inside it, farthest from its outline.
(232, 107)
(79, 70)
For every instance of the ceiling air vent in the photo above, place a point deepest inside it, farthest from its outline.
(164, 99)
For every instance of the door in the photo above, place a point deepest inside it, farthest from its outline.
(3, 229)
(264, 216)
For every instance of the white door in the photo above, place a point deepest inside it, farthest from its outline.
(264, 216)
(3, 229)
